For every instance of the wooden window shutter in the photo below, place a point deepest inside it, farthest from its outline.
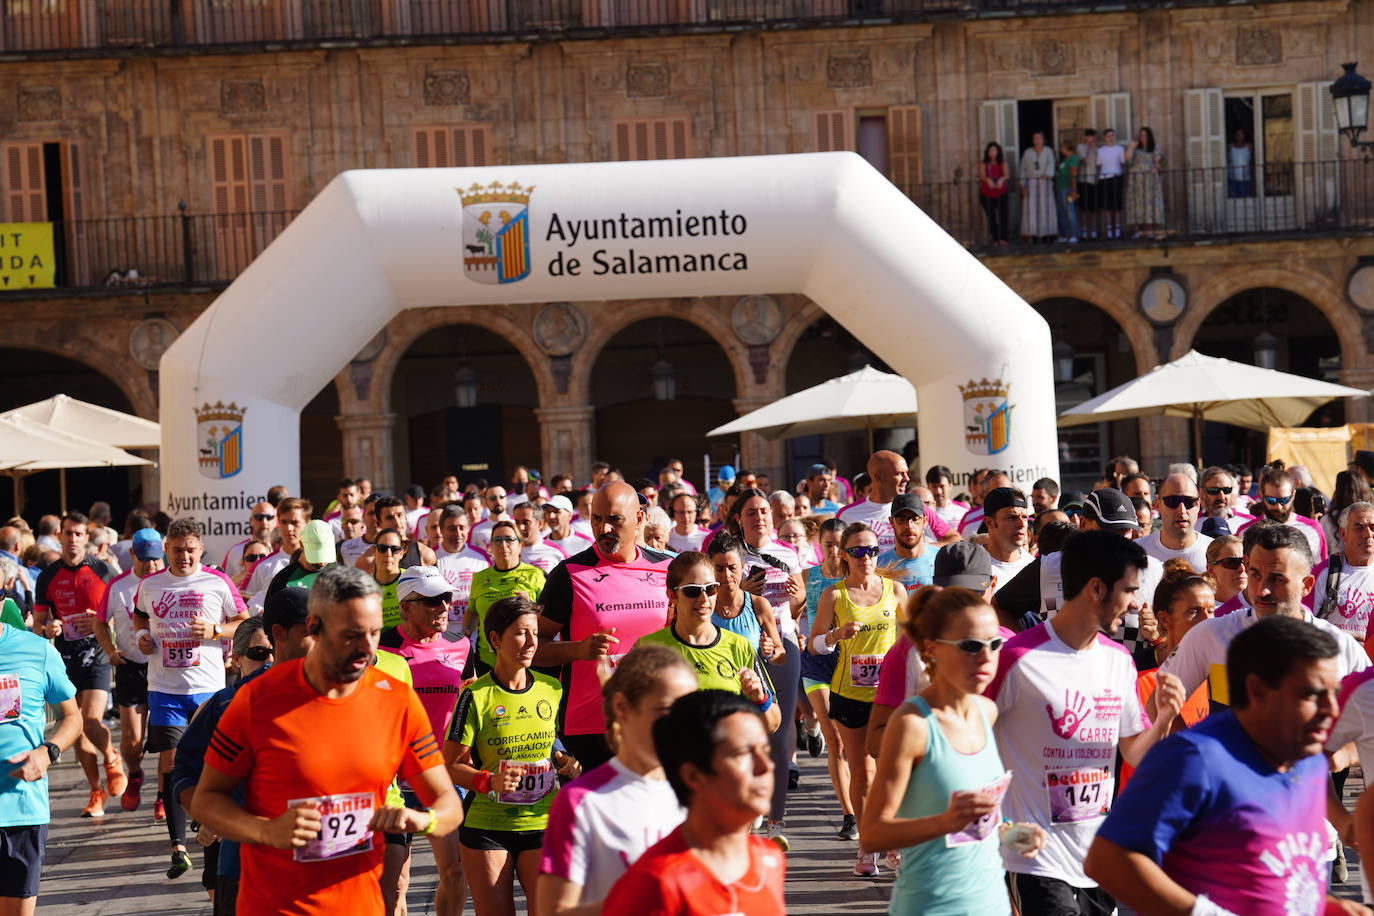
(833, 129)
(904, 146)
(26, 192)
(653, 138)
(267, 173)
(229, 173)
(74, 207)
(449, 147)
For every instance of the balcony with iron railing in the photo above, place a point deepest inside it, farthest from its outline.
(38, 27)
(1201, 206)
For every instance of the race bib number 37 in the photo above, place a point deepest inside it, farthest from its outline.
(344, 828)
(1079, 795)
(864, 670)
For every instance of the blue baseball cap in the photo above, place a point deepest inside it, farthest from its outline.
(725, 472)
(148, 544)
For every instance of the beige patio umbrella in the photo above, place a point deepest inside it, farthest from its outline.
(27, 446)
(91, 421)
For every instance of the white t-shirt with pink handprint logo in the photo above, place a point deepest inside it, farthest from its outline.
(1354, 597)
(1061, 713)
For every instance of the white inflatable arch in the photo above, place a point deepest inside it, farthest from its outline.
(825, 225)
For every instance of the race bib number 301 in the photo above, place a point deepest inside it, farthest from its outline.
(1079, 795)
(537, 781)
(344, 827)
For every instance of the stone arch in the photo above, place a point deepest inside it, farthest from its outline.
(1316, 289)
(791, 334)
(624, 314)
(96, 356)
(409, 326)
(1110, 299)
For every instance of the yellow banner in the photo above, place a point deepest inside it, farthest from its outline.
(26, 256)
(1322, 450)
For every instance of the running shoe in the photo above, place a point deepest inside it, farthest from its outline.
(181, 864)
(159, 812)
(793, 777)
(849, 830)
(866, 866)
(893, 860)
(775, 834)
(1340, 871)
(133, 793)
(815, 742)
(115, 780)
(801, 734)
(96, 806)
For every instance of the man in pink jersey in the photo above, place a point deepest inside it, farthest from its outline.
(599, 602)
(263, 518)
(185, 617)
(438, 661)
(116, 612)
(890, 477)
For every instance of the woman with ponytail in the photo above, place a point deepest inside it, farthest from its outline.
(602, 822)
(937, 793)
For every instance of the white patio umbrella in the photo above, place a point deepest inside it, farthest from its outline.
(1201, 388)
(113, 427)
(867, 400)
(27, 446)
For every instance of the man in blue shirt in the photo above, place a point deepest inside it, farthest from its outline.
(31, 673)
(910, 563)
(1227, 817)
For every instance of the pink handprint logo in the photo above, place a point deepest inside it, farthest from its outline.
(1075, 711)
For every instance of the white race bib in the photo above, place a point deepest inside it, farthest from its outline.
(11, 698)
(180, 653)
(1079, 795)
(344, 827)
(538, 780)
(864, 669)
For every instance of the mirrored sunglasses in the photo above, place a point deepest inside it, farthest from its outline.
(860, 553)
(1173, 501)
(971, 646)
(694, 590)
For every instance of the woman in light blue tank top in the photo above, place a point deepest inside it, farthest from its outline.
(937, 794)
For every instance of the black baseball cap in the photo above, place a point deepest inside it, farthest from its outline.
(1002, 498)
(1071, 499)
(963, 563)
(1111, 509)
(285, 608)
(1214, 527)
(907, 502)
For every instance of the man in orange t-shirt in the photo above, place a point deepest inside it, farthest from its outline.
(314, 744)
(716, 755)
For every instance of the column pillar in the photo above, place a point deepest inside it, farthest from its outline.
(1163, 441)
(367, 450)
(760, 455)
(1357, 410)
(566, 436)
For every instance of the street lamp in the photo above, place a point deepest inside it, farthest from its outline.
(1266, 350)
(665, 380)
(1063, 361)
(465, 386)
(1350, 96)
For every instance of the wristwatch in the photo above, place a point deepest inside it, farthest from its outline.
(216, 631)
(54, 751)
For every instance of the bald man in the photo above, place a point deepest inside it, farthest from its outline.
(890, 477)
(1178, 506)
(599, 602)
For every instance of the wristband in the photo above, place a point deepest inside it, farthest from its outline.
(1204, 907)
(766, 704)
(820, 646)
(428, 828)
(481, 782)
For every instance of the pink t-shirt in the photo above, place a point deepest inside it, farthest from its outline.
(590, 593)
(437, 671)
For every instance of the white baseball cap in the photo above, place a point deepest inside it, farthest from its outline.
(560, 502)
(425, 581)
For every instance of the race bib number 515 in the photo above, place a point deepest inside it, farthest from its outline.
(344, 827)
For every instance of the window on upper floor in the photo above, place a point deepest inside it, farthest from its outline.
(889, 139)
(450, 146)
(250, 194)
(652, 138)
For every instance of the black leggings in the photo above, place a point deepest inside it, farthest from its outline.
(786, 676)
(996, 210)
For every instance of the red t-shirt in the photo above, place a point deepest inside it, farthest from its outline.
(669, 880)
(287, 742)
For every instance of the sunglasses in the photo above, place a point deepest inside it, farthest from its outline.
(1178, 499)
(257, 653)
(1279, 500)
(860, 553)
(1231, 563)
(264, 516)
(695, 590)
(388, 548)
(1217, 491)
(973, 646)
(253, 557)
(505, 540)
(1072, 512)
(446, 598)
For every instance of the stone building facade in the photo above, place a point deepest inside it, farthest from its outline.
(182, 166)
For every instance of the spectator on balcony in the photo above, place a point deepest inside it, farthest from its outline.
(1145, 193)
(1087, 185)
(992, 192)
(1240, 157)
(1066, 191)
(1038, 223)
(1111, 162)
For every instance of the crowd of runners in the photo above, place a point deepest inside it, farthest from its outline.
(1146, 696)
